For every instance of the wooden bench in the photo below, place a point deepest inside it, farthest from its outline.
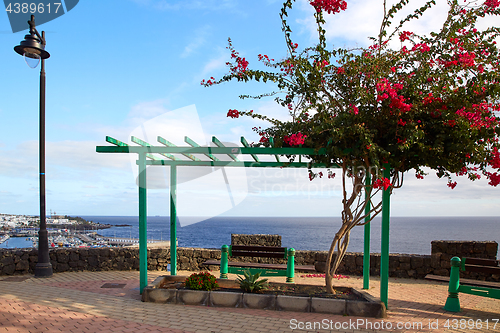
(487, 266)
(235, 267)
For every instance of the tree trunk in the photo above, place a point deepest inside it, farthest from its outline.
(341, 240)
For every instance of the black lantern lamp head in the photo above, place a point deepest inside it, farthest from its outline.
(33, 46)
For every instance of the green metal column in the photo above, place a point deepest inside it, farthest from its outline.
(173, 220)
(384, 255)
(452, 302)
(143, 240)
(290, 265)
(367, 236)
(224, 261)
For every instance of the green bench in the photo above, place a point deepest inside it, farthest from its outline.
(487, 266)
(235, 267)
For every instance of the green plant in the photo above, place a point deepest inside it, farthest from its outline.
(251, 282)
(201, 281)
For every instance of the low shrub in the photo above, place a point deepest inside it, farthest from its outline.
(201, 281)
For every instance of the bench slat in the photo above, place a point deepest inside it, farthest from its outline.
(258, 248)
(481, 261)
(469, 282)
(482, 269)
(307, 268)
(257, 254)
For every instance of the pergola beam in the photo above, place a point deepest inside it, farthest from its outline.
(246, 145)
(170, 144)
(211, 150)
(194, 144)
(145, 144)
(221, 145)
(253, 164)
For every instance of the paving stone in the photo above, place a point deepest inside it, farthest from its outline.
(76, 300)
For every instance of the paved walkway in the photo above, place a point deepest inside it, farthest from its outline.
(77, 302)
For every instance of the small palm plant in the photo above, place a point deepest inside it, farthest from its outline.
(251, 282)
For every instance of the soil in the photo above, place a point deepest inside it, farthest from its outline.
(275, 288)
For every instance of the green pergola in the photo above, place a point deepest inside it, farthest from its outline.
(174, 156)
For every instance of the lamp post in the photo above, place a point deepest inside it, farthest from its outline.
(32, 48)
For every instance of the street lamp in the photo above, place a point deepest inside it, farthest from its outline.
(32, 48)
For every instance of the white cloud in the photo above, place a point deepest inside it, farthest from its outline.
(144, 111)
(213, 66)
(198, 40)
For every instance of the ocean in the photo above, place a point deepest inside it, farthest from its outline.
(412, 235)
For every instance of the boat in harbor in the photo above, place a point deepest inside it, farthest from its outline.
(4, 238)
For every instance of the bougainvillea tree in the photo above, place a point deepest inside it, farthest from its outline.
(407, 102)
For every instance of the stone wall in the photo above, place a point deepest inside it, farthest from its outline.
(486, 250)
(16, 262)
(261, 240)
(443, 251)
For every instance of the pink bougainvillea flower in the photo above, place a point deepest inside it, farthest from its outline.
(405, 35)
(329, 6)
(492, 3)
(494, 178)
(233, 113)
(495, 158)
(384, 182)
(295, 139)
(355, 109)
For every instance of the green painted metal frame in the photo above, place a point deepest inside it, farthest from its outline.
(289, 272)
(452, 302)
(384, 250)
(146, 151)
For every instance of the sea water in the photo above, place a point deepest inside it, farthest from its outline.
(412, 235)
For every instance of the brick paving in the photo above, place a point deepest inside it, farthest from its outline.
(76, 302)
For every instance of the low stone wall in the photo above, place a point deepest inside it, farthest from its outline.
(101, 259)
(486, 250)
(443, 251)
(16, 262)
(256, 239)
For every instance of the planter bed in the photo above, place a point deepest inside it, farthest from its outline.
(170, 289)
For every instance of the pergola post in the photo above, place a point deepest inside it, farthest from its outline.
(367, 236)
(384, 255)
(173, 220)
(143, 239)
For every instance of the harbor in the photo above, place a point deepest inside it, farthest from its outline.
(64, 238)
(21, 231)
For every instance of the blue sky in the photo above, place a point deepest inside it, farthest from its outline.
(117, 65)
